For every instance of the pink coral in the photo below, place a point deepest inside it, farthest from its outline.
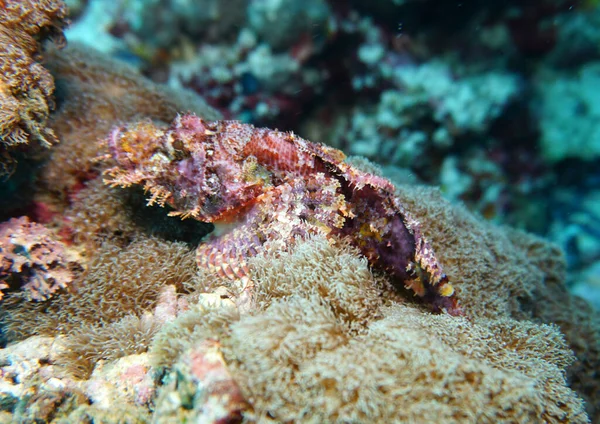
(275, 187)
(201, 388)
(32, 259)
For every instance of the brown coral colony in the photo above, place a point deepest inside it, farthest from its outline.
(274, 187)
(26, 87)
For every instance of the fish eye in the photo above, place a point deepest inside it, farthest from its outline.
(178, 145)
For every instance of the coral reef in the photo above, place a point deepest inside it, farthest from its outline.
(314, 351)
(135, 276)
(318, 307)
(282, 23)
(68, 194)
(29, 391)
(312, 299)
(34, 389)
(26, 88)
(105, 314)
(569, 114)
(33, 261)
(426, 92)
(526, 274)
(248, 79)
(154, 21)
(397, 81)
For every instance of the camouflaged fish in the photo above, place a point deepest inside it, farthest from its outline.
(272, 187)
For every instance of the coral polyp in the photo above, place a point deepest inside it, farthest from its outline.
(274, 187)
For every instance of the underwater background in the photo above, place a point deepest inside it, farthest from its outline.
(494, 103)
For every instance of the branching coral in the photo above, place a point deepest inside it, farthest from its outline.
(26, 88)
(33, 260)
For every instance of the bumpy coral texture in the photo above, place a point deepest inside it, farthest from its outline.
(313, 352)
(327, 339)
(33, 260)
(98, 213)
(496, 263)
(577, 319)
(26, 88)
(275, 186)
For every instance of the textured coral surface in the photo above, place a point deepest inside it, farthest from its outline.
(33, 260)
(330, 343)
(26, 88)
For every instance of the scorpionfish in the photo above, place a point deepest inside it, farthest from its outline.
(272, 187)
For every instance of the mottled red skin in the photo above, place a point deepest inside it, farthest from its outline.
(276, 187)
